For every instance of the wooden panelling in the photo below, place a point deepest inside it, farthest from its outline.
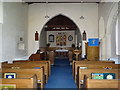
(51, 57)
(37, 57)
(92, 52)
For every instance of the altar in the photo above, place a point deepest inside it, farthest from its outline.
(61, 52)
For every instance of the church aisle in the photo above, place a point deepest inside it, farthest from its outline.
(61, 76)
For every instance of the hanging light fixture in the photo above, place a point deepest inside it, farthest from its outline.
(82, 17)
(46, 14)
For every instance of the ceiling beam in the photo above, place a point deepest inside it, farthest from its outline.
(61, 2)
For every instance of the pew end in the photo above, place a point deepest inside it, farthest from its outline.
(21, 83)
(101, 84)
(27, 73)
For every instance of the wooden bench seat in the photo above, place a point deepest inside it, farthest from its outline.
(87, 72)
(95, 66)
(20, 83)
(29, 65)
(26, 73)
(37, 57)
(113, 84)
(4, 62)
(41, 61)
(88, 62)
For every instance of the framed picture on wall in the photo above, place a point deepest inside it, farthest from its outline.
(70, 38)
(51, 38)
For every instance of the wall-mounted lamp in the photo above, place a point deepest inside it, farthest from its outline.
(84, 35)
(36, 36)
(81, 17)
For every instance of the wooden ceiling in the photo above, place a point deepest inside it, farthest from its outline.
(60, 22)
(61, 1)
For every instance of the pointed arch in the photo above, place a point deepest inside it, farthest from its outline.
(61, 20)
(109, 29)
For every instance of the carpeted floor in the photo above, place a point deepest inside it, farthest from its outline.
(61, 75)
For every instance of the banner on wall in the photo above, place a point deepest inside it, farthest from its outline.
(93, 42)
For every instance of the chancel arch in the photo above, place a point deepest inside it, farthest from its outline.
(60, 25)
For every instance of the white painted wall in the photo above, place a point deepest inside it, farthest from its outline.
(1, 12)
(0, 43)
(101, 37)
(108, 11)
(104, 11)
(1, 21)
(37, 20)
(118, 35)
(118, 31)
(43, 38)
(113, 41)
(14, 27)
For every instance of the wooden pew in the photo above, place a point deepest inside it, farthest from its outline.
(29, 65)
(25, 73)
(105, 84)
(37, 57)
(41, 61)
(95, 66)
(87, 72)
(26, 83)
(4, 62)
(88, 62)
